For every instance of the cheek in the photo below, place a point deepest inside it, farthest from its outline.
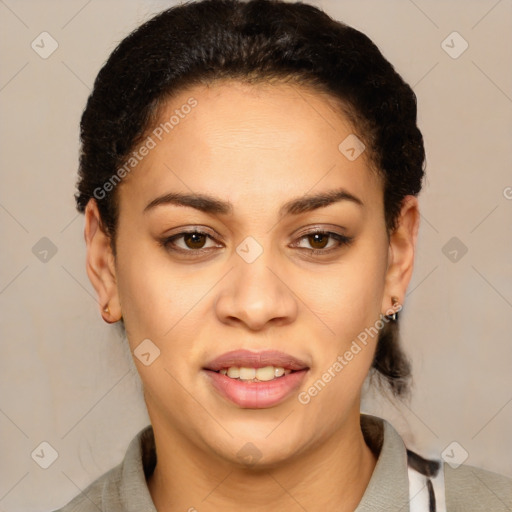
(350, 306)
(165, 302)
(349, 295)
(152, 299)
(349, 300)
(158, 303)
(155, 301)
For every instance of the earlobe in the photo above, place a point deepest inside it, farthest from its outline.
(100, 264)
(402, 246)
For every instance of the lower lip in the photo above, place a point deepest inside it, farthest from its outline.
(256, 395)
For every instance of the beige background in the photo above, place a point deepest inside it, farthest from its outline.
(66, 377)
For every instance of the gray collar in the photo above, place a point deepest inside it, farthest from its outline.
(388, 488)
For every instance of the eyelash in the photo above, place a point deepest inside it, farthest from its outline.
(341, 241)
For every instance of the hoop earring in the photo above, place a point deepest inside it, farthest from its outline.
(394, 316)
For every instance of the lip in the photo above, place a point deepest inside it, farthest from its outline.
(256, 395)
(250, 359)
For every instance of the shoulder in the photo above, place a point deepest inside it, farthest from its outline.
(470, 488)
(123, 488)
(96, 495)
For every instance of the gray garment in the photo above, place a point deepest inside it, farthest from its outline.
(467, 489)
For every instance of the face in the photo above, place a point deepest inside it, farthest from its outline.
(247, 239)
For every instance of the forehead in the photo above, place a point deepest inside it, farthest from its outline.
(250, 143)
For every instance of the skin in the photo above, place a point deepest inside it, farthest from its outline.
(238, 146)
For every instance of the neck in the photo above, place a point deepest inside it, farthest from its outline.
(332, 476)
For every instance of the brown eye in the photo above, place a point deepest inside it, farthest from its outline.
(318, 240)
(322, 242)
(194, 240)
(191, 242)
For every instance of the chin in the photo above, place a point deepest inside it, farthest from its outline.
(257, 453)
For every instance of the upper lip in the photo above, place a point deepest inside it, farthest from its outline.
(248, 359)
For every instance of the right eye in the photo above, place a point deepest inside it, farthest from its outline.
(190, 241)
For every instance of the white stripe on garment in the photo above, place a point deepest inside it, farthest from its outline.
(438, 485)
(419, 499)
(418, 491)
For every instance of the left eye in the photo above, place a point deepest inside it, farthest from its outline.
(322, 240)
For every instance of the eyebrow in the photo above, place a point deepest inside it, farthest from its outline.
(209, 204)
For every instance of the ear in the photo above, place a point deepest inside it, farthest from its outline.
(402, 246)
(100, 264)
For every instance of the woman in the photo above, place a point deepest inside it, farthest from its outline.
(249, 177)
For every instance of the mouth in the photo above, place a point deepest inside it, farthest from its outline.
(247, 374)
(256, 379)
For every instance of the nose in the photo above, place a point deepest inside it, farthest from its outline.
(256, 295)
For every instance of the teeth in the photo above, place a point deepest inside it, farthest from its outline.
(234, 372)
(255, 374)
(266, 373)
(246, 373)
(279, 372)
